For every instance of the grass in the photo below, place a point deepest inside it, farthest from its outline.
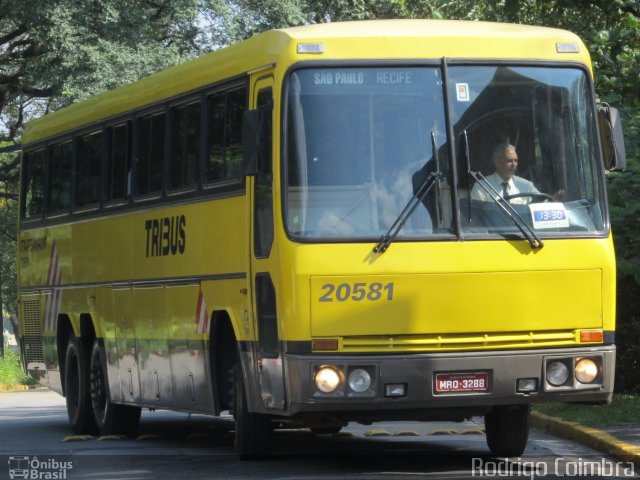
(623, 409)
(11, 373)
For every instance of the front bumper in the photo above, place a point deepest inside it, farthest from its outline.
(417, 373)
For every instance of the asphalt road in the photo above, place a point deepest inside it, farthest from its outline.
(35, 442)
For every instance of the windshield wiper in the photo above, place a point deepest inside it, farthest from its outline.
(412, 204)
(504, 205)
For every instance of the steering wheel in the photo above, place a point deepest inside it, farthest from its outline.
(533, 195)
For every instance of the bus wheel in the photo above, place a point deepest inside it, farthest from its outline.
(110, 417)
(76, 377)
(253, 431)
(507, 430)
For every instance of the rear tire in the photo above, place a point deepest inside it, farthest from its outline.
(253, 431)
(507, 430)
(76, 377)
(110, 418)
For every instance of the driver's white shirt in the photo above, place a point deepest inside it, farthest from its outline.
(516, 185)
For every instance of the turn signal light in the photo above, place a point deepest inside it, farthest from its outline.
(324, 344)
(591, 336)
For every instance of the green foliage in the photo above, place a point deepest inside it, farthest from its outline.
(624, 205)
(622, 410)
(54, 52)
(11, 373)
(235, 20)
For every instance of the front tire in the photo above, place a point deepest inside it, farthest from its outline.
(110, 418)
(76, 377)
(253, 431)
(507, 430)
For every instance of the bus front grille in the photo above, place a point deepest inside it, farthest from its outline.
(446, 342)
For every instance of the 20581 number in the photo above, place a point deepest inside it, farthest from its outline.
(357, 292)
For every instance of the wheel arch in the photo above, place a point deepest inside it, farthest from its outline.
(223, 347)
(85, 330)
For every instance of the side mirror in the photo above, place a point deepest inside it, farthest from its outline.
(256, 140)
(612, 138)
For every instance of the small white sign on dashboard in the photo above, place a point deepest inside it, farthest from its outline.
(549, 215)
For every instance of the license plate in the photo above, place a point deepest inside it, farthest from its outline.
(462, 382)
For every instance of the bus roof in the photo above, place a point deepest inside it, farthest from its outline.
(375, 39)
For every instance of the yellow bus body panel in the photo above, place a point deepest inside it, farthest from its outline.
(460, 302)
(451, 288)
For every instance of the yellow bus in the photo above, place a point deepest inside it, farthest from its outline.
(307, 228)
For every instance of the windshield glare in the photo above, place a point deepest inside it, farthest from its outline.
(361, 141)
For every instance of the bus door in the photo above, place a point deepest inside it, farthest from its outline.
(266, 366)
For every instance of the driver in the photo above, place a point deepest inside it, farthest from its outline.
(504, 180)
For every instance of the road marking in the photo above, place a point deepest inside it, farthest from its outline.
(77, 438)
(377, 433)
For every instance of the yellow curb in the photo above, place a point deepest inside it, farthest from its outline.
(77, 438)
(150, 436)
(111, 437)
(472, 431)
(406, 433)
(591, 437)
(16, 388)
(377, 433)
(443, 432)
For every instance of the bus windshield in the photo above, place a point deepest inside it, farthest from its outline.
(361, 141)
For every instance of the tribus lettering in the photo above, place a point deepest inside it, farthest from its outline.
(166, 236)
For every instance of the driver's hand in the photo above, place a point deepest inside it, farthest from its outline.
(558, 196)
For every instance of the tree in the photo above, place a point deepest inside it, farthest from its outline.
(56, 52)
(235, 20)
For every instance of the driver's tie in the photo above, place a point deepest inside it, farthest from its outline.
(505, 189)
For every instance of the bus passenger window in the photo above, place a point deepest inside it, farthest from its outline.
(224, 160)
(236, 105)
(117, 173)
(215, 160)
(183, 166)
(88, 166)
(149, 167)
(60, 178)
(33, 198)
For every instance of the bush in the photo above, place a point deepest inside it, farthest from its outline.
(625, 218)
(11, 373)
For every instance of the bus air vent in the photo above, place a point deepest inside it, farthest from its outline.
(32, 330)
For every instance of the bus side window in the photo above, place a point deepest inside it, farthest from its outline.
(59, 187)
(150, 158)
(32, 196)
(88, 166)
(185, 152)
(224, 135)
(118, 166)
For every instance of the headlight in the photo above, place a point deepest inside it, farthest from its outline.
(327, 379)
(557, 373)
(359, 380)
(586, 370)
